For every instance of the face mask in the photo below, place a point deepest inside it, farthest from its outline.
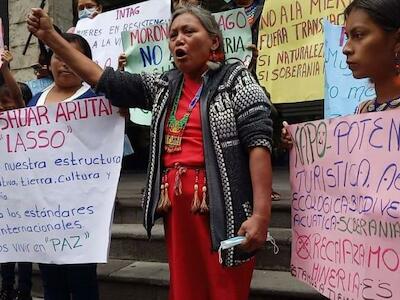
(237, 240)
(86, 13)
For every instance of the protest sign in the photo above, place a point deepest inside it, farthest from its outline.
(147, 48)
(140, 116)
(291, 47)
(104, 31)
(342, 91)
(38, 85)
(236, 33)
(59, 171)
(345, 179)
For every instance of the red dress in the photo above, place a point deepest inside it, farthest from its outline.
(195, 272)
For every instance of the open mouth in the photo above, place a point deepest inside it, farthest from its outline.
(180, 53)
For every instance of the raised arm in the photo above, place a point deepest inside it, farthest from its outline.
(40, 24)
(122, 88)
(9, 80)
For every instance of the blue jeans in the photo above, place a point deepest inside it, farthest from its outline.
(24, 276)
(66, 282)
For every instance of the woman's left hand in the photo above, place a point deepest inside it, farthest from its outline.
(122, 60)
(255, 230)
(253, 49)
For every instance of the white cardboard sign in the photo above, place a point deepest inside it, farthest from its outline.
(59, 171)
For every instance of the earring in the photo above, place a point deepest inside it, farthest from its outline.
(397, 62)
(216, 56)
(215, 59)
(212, 56)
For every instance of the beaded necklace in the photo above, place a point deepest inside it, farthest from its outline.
(375, 106)
(173, 138)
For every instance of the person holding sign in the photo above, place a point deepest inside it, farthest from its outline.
(78, 281)
(67, 85)
(373, 51)
(11, 97)
(10, 93)
(210, 169)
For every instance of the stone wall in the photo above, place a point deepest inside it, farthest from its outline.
(59, 10)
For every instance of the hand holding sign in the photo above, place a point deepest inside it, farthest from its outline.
(286, 138)
(6, 57)
(122, 62)
(253, 49)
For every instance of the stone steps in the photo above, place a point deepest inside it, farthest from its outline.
(137, 280)
(128, 210)
(129, 241)
(137, 267)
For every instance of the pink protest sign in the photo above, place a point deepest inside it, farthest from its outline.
(345, 179)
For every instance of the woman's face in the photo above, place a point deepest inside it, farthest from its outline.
(190, 44)
(63, 76)
(369, 49)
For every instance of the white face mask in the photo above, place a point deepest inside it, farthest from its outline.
(86, 13)
(237, 240)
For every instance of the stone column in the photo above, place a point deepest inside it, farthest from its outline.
(59, 10)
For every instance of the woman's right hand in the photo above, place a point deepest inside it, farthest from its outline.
(286, 138)
(39, 23)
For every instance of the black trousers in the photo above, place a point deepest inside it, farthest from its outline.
(66, 282)
(24, 276)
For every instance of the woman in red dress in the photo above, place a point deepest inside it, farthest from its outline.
(209, 172)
